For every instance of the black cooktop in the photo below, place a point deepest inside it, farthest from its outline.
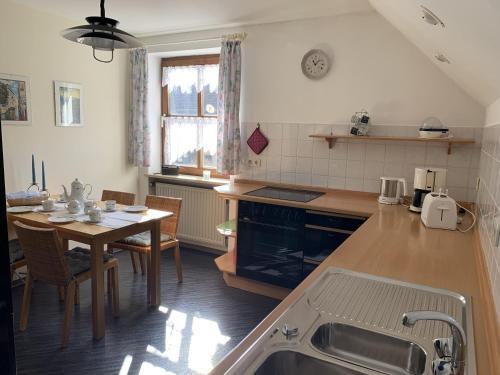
(285, 194)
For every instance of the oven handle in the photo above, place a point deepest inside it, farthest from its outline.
(248, 221)
(326, 229)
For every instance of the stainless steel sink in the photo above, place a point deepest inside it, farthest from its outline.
(374, 350)
(288, 362)
(350, 323)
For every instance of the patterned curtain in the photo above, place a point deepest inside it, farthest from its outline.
(228, 121)
(139, 134)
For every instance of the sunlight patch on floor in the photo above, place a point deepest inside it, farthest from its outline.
(175, 324)
(206, 337)
(127, 361)
(150, 369)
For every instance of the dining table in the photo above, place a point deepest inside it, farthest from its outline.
(96, 236)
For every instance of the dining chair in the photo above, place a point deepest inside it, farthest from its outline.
(48, 262)
(141, 243)
(126, 199)
(16, 256)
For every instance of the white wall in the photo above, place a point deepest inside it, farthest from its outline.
(374, 67)
(96, 153)
(493, 113)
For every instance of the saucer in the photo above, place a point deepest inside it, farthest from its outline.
(105, 210)
(19, 209)
(88, 221)
(136, 209)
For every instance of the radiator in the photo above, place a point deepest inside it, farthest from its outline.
(201, 211)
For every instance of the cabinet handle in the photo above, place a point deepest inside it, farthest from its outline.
(248, 221)
(325, 229)
(334, 214)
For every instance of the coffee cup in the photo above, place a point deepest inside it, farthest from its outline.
(95, 214)
(88, 205)
(110, 205)
(48, 204)
(73, 206)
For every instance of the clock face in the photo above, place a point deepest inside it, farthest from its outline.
(315, 64)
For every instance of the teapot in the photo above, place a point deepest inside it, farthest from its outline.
(77, 192)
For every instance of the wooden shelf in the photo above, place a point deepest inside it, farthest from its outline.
(228, 228)
(332, 138)
(225, 264)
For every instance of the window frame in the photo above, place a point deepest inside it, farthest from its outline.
(187, 61)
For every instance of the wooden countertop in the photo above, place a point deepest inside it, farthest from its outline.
(393, 243)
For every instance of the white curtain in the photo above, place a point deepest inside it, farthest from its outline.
(139, 142)
(185, 135)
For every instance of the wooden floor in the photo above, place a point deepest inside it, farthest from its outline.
(199, 322)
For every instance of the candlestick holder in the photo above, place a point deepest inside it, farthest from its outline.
(33, 187)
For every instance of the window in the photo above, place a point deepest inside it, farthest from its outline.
(189, 108)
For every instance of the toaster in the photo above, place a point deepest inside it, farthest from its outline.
(439, 211)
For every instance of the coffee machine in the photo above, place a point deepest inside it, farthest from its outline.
(426, 180)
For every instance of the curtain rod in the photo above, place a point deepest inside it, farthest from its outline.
(237, 36)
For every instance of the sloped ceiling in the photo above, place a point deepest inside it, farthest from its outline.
(470, 40)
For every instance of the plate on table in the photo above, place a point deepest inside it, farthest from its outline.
(136, 209)
(19, 209)
(61, 219)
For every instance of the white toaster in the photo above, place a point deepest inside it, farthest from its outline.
(439, 211)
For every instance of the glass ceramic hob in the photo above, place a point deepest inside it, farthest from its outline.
(285, 194)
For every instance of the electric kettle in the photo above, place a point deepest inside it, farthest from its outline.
(392, 189)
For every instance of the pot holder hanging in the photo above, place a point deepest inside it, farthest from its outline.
(257, 141)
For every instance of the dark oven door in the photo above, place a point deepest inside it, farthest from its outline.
(269, 247)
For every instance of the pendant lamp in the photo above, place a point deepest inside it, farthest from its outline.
(101, 34)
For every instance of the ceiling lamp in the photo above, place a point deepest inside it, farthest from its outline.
(101, 34)
(430, 17)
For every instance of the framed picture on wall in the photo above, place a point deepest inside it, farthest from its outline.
(15, 100)
(68, 99)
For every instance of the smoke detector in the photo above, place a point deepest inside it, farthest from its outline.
(442, 58)
(430, 17)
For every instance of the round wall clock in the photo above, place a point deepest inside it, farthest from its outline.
(315, 64)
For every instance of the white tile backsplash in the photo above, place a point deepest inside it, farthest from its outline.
(320, 166)
(293, 157)
(488, 202)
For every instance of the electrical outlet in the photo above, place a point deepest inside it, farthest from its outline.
(254, 163)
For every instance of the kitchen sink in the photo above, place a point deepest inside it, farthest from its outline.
(387, 354)
(288, 362)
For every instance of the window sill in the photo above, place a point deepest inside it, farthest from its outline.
(188, 180)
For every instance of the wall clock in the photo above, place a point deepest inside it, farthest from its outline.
(315, 64)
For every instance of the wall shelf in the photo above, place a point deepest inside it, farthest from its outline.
(332, 138)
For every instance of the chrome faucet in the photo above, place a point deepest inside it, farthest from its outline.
(451, 351)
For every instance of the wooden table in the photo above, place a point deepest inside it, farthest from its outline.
(97, 236)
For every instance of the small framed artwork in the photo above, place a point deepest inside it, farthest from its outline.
(15, 100)
(68, 104)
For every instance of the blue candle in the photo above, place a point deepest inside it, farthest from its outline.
(43, 176)
(33, 176)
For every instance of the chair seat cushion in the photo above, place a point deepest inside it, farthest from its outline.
(15, 251)
(144, 239)
(78, 260)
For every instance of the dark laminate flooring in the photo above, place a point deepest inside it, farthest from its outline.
(199, 322)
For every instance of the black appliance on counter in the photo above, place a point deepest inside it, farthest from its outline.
(285, 194)
(281, 245)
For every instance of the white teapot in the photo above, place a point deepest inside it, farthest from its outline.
(77, 192)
